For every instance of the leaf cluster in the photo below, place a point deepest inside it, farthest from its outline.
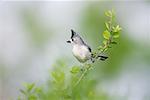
(30, 92)
(69, 86)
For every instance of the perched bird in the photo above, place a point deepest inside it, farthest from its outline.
(81, 50)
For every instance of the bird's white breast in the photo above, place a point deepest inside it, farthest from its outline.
(81, 52)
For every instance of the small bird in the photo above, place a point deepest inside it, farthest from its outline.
(81, 50)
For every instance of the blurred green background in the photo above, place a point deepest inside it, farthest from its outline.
(33, 36)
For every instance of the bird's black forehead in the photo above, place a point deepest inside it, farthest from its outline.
(73, 33)
(72, 36)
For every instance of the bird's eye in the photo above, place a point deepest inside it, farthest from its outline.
(72, 39)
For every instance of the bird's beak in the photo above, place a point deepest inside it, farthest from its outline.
(68, 41)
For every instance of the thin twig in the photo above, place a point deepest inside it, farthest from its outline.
(81, 77)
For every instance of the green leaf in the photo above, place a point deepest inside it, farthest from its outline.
(116, 35)
(119, 28)
(23, 92)
(107, 26)
(106, 34)
(113, 28)
(58, 76)
(38, 89)
(105, 49)
(75, 70)
(104, 42)
(100, 47)
(109, 47)
(116, 29)
(113, 42)
(30, 87)
(108, 13)
(32, 97)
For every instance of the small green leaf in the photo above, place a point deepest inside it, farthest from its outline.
(100, 47)
(106, 34)
(107, 26)
(105, 49)
(116, 35)
(117, 26)
(113, 42)
(113, 28)
(116, 29)
(32, 97)
(110, 13)
(38, 89)
(23, 92)
(30, 87)
(58, 76)
(109, 47)
(104, 42)
(107, 14)
(75, 70)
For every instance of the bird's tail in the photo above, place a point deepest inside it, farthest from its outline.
(101, 57)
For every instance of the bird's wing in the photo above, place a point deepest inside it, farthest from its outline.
(89, 48)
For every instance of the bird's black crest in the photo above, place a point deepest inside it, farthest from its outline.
(103, 58)
(72, 33)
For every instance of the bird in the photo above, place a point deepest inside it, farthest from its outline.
(81, 51)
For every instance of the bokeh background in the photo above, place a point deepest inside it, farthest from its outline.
(33, 36)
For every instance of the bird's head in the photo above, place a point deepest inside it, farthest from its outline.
(75, 38)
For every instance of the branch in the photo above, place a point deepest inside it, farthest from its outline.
(111, 33)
